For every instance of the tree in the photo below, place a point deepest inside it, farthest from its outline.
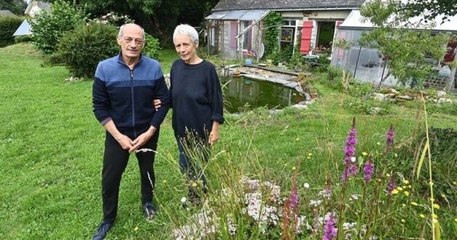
(15, 6)
(49, 27)
(158, 17)
(404, 48)
(430, 8)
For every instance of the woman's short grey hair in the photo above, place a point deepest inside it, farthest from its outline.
(186, 29)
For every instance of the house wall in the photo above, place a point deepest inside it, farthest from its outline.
(316, 17)
(327, 15)
(229, 43)
(229, 48)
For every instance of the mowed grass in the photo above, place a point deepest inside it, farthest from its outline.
(51, 150)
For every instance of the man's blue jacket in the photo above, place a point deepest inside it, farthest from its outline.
(126, 96)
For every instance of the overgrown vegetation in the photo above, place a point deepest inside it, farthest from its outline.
(288, 164)
(272, 28)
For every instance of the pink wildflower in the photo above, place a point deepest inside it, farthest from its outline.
(390, 137)
(329, 228)
(350, 167)
(391, 185)
(368, 169)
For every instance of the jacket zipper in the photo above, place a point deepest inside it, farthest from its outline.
(133, 103)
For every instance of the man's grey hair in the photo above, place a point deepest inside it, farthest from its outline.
(121, 29)
(186, 29)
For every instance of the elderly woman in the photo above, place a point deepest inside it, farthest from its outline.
(197, 108)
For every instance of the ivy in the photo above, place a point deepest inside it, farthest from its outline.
(272, 28)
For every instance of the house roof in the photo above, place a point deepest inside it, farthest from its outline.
(225, 5)
(242, 15)
(41, 5)
(6, 13)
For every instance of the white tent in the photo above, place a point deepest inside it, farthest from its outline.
(23, 29)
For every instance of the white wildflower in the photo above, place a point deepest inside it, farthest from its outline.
(315, 203)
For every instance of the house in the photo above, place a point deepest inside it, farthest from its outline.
(368, 65)
(235, 27)
(33, 8)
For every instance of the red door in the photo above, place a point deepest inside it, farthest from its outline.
(306, 32)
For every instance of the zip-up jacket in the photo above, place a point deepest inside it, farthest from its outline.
(126, 96)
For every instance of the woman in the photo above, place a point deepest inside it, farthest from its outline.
(197, 105)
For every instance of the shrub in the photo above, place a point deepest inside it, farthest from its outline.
(334, 73)
(49, 27)
(24, 38)
(152, 47)
(81, 49)
(8, 26)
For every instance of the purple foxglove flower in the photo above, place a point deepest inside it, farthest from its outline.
(368, 169)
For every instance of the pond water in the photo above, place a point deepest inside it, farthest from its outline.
(242, 93)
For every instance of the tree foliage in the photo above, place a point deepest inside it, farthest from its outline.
(15, 6)
(157, 17)
(430, 8)
(407, 47)
(49, 27)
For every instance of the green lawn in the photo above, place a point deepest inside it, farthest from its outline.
(51, 149)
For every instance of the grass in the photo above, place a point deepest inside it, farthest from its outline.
(51, 150)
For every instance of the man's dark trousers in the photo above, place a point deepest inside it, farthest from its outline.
(115, 161)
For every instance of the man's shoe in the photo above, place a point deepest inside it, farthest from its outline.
(102, 230)
(149, 211)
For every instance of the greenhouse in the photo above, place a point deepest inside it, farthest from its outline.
(368, 64)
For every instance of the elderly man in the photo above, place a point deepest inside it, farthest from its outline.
(123, 91)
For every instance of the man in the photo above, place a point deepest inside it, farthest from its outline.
(123, 91)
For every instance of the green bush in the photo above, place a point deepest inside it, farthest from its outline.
(24, 38)
(334, 73)
(49, 27)
(8, 26)
(152, 47)
(81, 49)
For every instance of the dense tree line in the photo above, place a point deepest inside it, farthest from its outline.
(158, 17)
(15, 6)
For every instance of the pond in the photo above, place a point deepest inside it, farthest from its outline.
(243, 93)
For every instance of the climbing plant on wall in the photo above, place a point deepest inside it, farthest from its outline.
(272, 28)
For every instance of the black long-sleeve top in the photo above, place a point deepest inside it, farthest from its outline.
(196, 98)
